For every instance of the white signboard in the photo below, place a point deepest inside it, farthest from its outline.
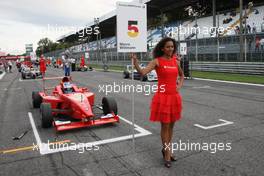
(86, 55)
(183, 48)
(131, 27)
(33, 56)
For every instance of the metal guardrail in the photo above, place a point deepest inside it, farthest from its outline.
(251, 68)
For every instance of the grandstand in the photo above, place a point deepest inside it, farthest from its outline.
(210, 46)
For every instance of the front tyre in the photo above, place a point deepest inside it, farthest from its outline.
(109, 105)
(46, 115)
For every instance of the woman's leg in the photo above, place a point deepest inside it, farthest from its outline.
(165, 138)
(171, 132)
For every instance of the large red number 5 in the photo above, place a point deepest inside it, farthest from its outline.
(132, 29)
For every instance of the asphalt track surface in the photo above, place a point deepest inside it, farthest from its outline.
(204, 104)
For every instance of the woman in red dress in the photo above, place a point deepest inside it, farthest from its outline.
(166, 106)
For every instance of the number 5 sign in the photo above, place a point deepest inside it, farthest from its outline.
(131, 27)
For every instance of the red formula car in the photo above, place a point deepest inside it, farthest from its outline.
(70, 107)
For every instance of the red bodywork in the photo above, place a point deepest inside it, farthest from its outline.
(78, 105)
(27, 63)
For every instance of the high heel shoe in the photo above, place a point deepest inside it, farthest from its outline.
(172, 157)
(167, 164)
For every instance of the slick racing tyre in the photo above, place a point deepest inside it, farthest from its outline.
(125, 75)
(143, 78)
(36, 99)
(109, 105)
(46, 115)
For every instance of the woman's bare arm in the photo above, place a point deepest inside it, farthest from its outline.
(181, 74)
(151, 65)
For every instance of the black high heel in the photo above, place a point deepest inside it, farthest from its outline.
(167, 164)
(172, 157)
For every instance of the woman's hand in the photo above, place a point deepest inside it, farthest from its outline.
(133, 57)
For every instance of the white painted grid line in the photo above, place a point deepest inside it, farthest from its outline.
(45, 149)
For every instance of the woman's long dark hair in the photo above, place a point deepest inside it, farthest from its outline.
(157, 52)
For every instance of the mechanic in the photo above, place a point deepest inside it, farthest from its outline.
(42, 65)
(10, 66)
(5, 65)
(67, 63)
(166, 106)
(82, 61)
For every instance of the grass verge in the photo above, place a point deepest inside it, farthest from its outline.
(229, 77)
(255, 79)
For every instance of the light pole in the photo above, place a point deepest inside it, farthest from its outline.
(196, 38)
(195, 14)
(162, 18)
(250, 6)
(218, 43)
(241, 26)
(96, 22)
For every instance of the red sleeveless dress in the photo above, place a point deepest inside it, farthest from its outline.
(166, 106)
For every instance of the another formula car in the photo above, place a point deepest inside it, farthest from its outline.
(127, 73)
(30, 72)
(83, 68)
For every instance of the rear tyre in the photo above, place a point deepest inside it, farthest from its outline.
(109, 105)
(23, 76)
(143, 78)
(46, 115)
(36, 99)
(125, 75)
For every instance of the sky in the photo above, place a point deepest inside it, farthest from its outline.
(27, 21)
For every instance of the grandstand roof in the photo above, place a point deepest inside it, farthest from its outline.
(108, 21)
(154, 8)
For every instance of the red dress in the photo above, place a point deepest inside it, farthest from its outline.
(42, 65)
(166, 106)
(82, 62)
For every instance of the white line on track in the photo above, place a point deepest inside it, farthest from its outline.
(29, 80)
(35, 131)
(2, 75)
(18, 88)
(45, 148)
(214, 126)
(230, 82)
(201, 87)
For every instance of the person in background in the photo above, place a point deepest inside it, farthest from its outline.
(82, 64)
(42, 65)
(248, 29)
(5, 65)
(262, 44)
(257, 44)
(254, 28)
(9, 63)
(262, 26)
(66, 64)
